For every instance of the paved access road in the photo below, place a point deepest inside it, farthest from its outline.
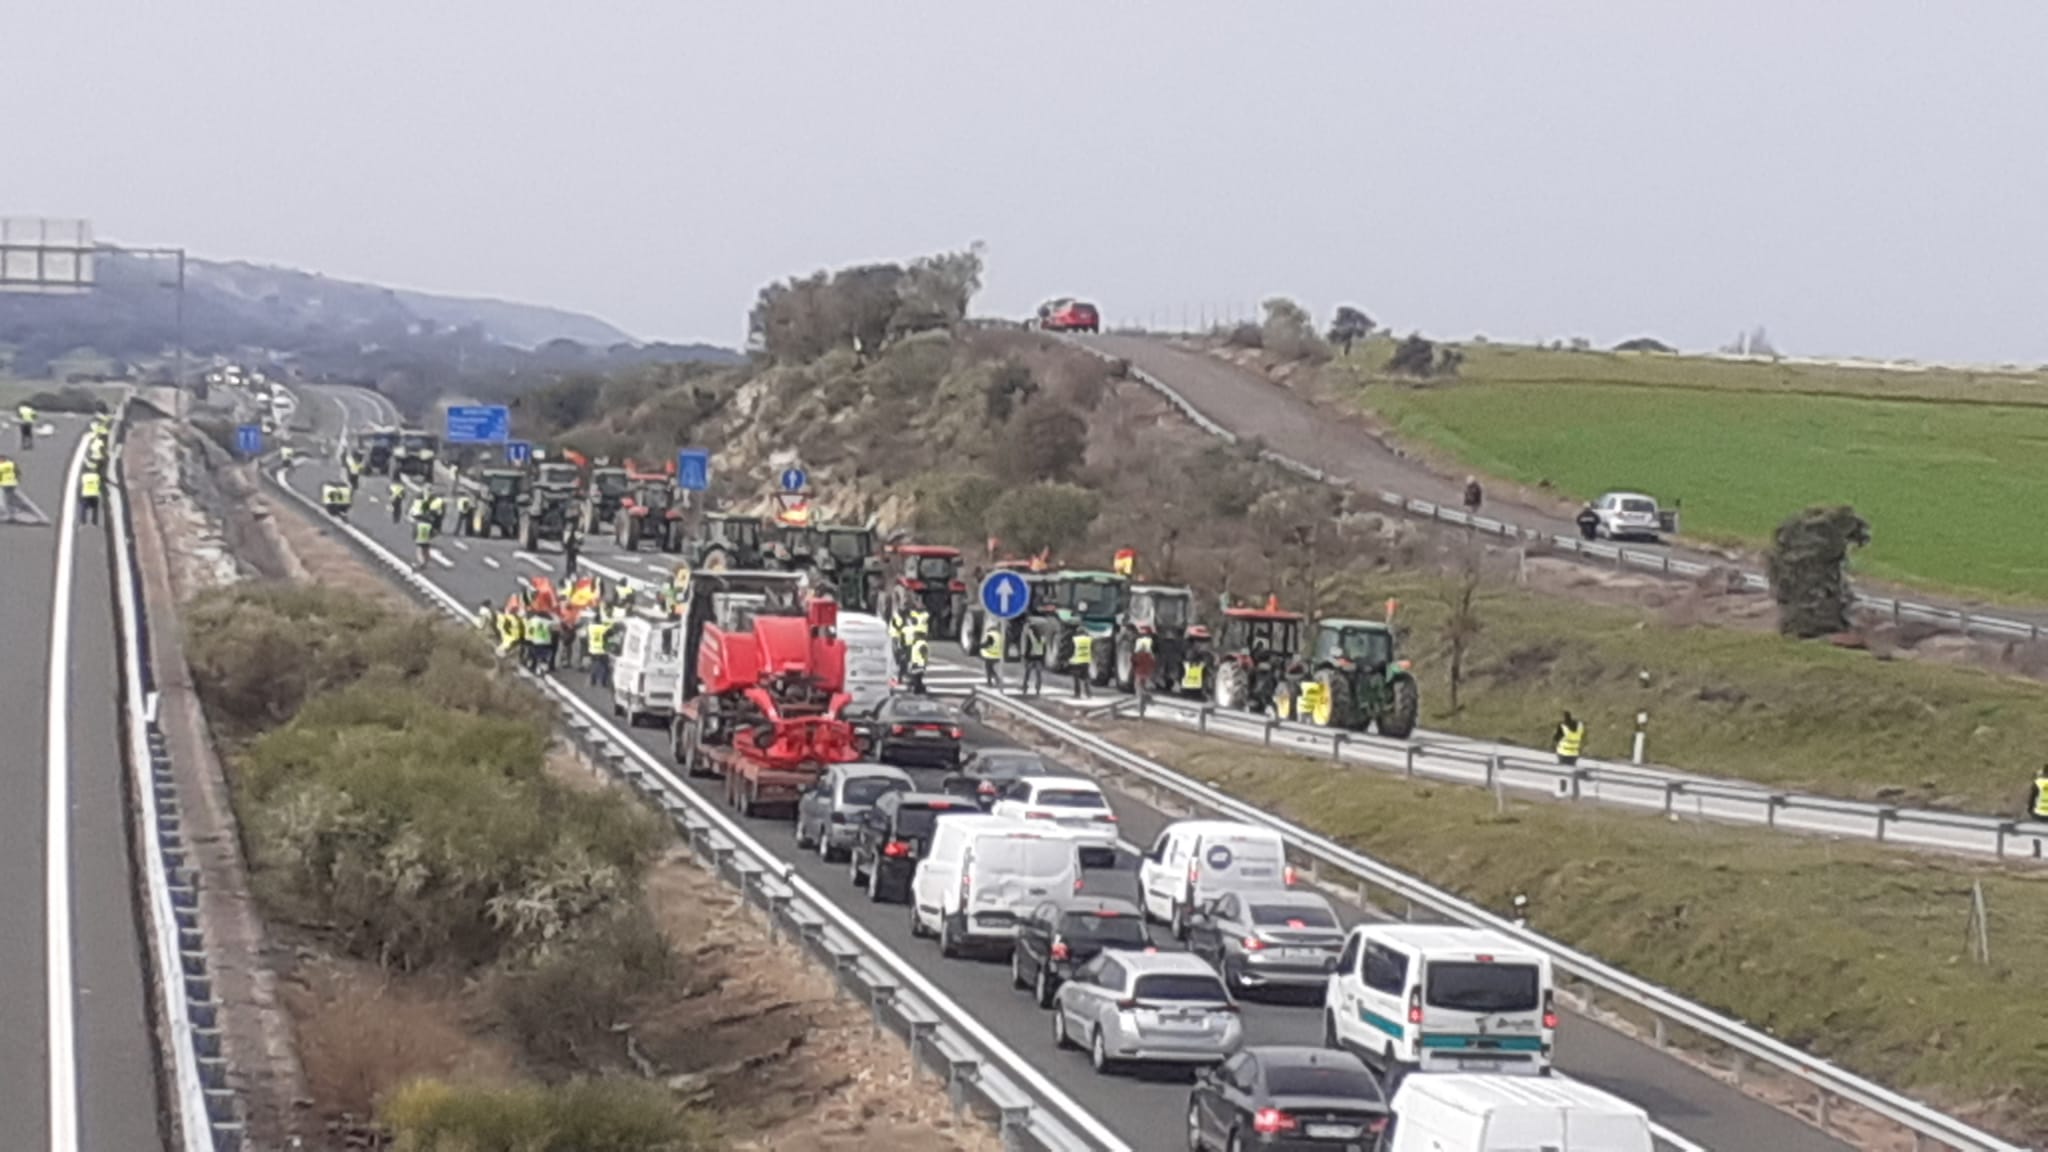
(1146, 1110)
(94, 1021)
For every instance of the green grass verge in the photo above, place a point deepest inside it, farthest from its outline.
(1723, 701)
(1939, 469)
(1850, 952)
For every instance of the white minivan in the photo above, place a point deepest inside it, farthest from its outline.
(1480, 1113)
(1196, 861)
(1441, 999)
(984, 874)
(648, 672)
(870, 662)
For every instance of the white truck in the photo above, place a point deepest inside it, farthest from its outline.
(1460, 1112)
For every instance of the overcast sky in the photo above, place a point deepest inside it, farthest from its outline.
(1860, 176)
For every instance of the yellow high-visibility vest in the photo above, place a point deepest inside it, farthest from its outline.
(2041, 798)
(594, 637)
(89, 485)
(1572, 739)
(1084, 650)
(8, 475)
(920, 654)
(1191, 676)
(992, 643)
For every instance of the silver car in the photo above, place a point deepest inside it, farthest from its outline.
(828, 814)
(1147, 1007)
(1283, 939)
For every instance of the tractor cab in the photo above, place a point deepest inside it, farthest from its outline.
(649, 511)
(846, 554)
(499, 493)
(1355, 679)
(610, 482)
(729, 541)
(1352, 644)
(793, 547)
(1097, 599)
(1162, 613)
(558, 474)
(375, 447)
(1255, 652)
(414, 453)
(927, 576)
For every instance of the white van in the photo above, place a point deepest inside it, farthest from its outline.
(1438, 998)
(648, 672)
(1196, 861)
(1474, 1113)
(869, 660)
(984, 874)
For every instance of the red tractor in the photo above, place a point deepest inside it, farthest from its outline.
(763, 702)
(927, 576)
(649, 511)
(1256, 655)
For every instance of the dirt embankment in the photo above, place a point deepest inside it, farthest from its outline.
(756, 1037)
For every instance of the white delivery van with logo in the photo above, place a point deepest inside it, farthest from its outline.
(1441, 999)
(1195, 861)
(1481, 1113)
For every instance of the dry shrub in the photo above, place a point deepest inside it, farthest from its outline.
(359, 1039)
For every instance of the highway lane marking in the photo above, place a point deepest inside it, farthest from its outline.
(490, 562)
(440, 559)
(63, 1050)
(460, 546)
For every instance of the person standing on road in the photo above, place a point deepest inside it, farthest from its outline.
(1473, 495)
(26, 417)
(899, 640)
(572, 545)
(88, 497)
(2037, 797)
(1034, 659)
(596, 635)
(1143, 664)
(511, 633)
(1570, 739)
(15, 507)
(992, 653)
(397, 500)
(1081, 661)
(1588, 522)
(920, 659)
(486, 617)
(423, 542)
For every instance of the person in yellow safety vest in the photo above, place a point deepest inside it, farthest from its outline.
(596, 635)
(2037, 801)
(335, 498)
(1082, 661)
(423, 540)
(511, 632)
(96, 450)
(355, 466)
(1034, 659)
(419, 507)
(1571, 739)
(992, 653)
(437, 511)
(920, 659)
(540, 643)
(289, 455)
(397, 500)
(486, 617)
(88, 497)
(920, 624)
(1193, 674)
(100, 424)
(465, 504)
(15, 507)
(26, 416)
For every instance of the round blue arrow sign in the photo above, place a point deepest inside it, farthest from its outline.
(1005, 595)
(793, 479)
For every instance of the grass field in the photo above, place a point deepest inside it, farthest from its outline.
(1852, 953)
(1722, 701)
(1945, 466)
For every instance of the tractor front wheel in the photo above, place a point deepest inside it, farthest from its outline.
(1404, 701)
(1126, 665)
(1338, 707)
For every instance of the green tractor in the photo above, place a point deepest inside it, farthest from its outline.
(1097, 599)
(727, 541)
(499, 494)
(1356, 679)
(609, 485)
(847, 561)
(553, 504)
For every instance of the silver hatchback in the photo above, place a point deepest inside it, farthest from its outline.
(1144, 1008)
(828, 813)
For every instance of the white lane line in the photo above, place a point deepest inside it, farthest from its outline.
(63, 1045)
(440, 559)
(459, 545)
(490, 562)
(536, 561)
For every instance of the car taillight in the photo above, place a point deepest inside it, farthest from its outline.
(1254, 944)
(1126, 1005)
(1077, 881)
(1287, 876)
(1415, 1006)
(1549, 1010)
(986, 788)
(1377, 1124)
(953, 732)
(898, 729)
(896, 848)
(1059, 949)
(1268, 1121)
(1109, 816)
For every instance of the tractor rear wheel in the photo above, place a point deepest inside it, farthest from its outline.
(1404, 701)
(1338, 707)
(1231, 685)
(716, 560)
(1102, 661)
(529, 532)
(970, 633)
(629, 527)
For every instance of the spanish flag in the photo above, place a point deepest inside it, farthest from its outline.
(1126, 561)
(797, 517)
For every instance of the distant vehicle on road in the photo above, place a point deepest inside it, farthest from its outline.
(1499, 1113)
(1070, 803)
(1062, 934)
(1286, 1098)
(1268, 939)
(990, 770)
(1147, 1007)
(1068, 315)
(1630, 516)
(828, 814)
(892, 837)
(917, 730)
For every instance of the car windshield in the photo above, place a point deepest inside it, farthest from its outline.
(935, 567)
(1368, 646)
(1637, 505)
(1105, 928)
(868, 789)
(1477, 987)
(1090, 599)
(910, 708)
(1323, 1079)
(1170, 612)
(1010, 766)
(1189, 986)
(502, 485)
(1070, 798)
(1292, 916)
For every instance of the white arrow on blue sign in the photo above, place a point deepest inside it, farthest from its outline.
(249, 439)
(518, 451)
(1005, 595)
(794, 479)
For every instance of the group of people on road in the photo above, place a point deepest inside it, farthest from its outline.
(17, 508)
(545, 630)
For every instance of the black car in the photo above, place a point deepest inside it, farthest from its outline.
(917, 730)
(988, 771)
(1288, 1099)
(1061, 935)
(891, 837)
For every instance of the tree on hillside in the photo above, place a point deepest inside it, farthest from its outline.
(1289, 332)
(861, 303)
(1459, 592)
(1808, 565)
(1644, 344)
(1041, 517)
(1348, 326)
(1009, 384)
(1415, 356)
(937, 290)
(1045, 441)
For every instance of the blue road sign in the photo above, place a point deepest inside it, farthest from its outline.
(1005, 595)
(794, 479)
(479, 424)
(249, 439)
(518, 451)
(693, 469)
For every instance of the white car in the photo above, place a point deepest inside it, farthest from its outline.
(1074, 804)
(1628, 516)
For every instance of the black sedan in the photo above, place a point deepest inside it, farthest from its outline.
(990, 770)
(917, 731)
(1288, 1099)
(1061, 935)
(891, 837)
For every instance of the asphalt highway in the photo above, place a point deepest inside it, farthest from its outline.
(1145, 1109)
(77, 1056)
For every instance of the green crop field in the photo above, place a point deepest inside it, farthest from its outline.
(1945, 465)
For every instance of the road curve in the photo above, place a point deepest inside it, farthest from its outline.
(93, 1021)
(1146, 1110)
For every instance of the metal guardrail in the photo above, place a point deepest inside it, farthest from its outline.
(979, 1069)
(1631, 786)
(1589, 551)
(206, 1114)
(1666, 1008)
